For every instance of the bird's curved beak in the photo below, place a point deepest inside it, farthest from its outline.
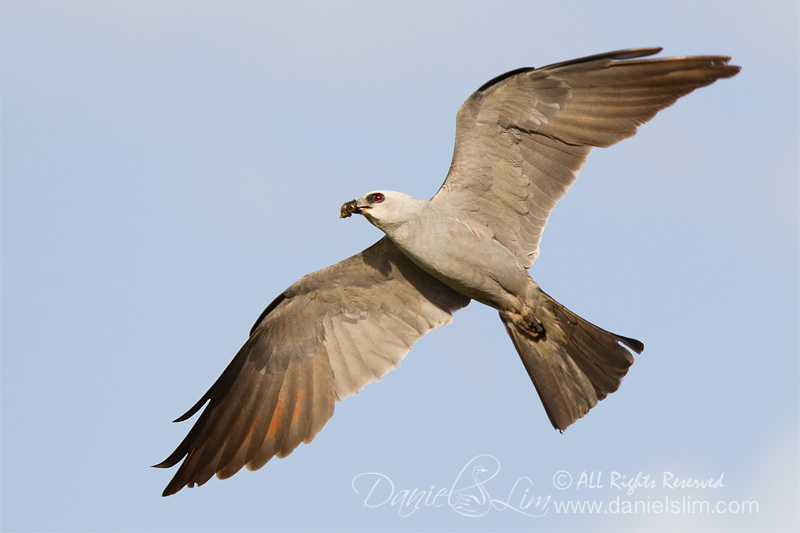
(353, 206)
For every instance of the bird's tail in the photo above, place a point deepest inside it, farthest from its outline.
(573, 363)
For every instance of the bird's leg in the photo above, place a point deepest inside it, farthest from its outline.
(531, 323)
(527, 321)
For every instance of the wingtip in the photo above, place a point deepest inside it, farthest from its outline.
(191, 412)
(162, 464)
(732, 70)
(174, 486)
(635, 345)
(173, 459)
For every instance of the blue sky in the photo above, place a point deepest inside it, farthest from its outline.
(169, 167)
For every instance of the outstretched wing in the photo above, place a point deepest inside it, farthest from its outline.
(522, 137)
(324, 338)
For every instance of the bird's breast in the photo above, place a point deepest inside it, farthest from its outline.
(464, 256)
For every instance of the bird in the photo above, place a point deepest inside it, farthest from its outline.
(521, 140)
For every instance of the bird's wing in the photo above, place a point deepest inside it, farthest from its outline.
(324, 338)
(522, 137)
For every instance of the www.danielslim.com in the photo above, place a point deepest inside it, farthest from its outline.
(666, 505)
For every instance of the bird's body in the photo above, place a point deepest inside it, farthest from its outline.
(486, 271)
(521, 139)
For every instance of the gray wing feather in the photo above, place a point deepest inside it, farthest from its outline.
(522, 138)
(323, 339)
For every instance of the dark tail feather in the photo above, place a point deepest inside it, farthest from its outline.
(573, 364)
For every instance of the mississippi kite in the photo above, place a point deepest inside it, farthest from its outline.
(521, 139)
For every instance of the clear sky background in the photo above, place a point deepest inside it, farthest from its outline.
(168, 168)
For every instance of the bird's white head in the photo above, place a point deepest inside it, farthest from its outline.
(385, 210)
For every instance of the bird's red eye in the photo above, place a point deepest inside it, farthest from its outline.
(377, 198)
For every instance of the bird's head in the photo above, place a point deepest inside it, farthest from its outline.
(384, 209)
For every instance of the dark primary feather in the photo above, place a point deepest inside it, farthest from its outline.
(324, 338)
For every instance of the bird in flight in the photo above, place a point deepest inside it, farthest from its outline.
(521, 139)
